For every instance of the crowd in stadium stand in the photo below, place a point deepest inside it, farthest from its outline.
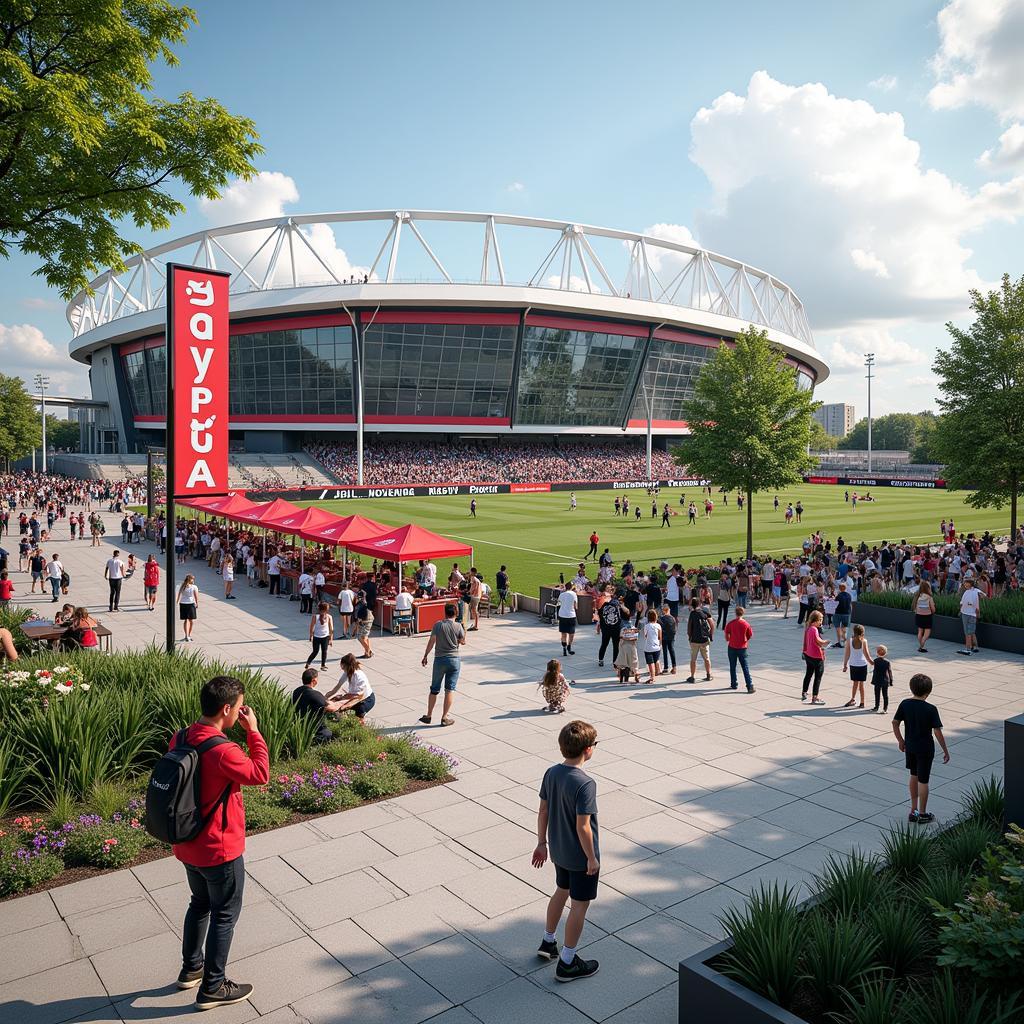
(412, 461)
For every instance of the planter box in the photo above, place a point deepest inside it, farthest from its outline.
(706, 995)
(944, 627)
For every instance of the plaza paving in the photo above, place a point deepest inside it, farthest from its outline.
(426, 907)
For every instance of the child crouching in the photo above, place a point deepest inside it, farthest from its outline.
(555, 687)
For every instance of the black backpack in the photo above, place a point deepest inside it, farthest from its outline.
(173, 813)
(700, 621)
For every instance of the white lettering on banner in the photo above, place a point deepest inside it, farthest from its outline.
(195, 429)
(858, 482)
(912, 483)
(201, 326)
(391, 492)
(201, 396)
(384, 543)
(485, 489)
(200, 474)
(204, 290)
(442, 490)
(202, 361)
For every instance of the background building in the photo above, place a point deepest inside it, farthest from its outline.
(529, 337)
(837, 418)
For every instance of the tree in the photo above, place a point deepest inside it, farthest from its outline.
(899, 432)
(85, 147)
(981, 381)
(924, 450)
(20, 430)
(749, 421)
(62, 434)
(821, 440)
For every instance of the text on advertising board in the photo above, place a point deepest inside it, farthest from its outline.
(199, 340)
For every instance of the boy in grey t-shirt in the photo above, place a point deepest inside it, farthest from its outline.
(567, 829)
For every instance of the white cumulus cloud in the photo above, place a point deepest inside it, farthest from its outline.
(1010, 151)
(884, 83)
(831, 195)
(515, 186)
(25, 343)
(265, 197)
(979, 56)
(849, 347)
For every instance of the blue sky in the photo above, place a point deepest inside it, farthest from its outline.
(838, 146)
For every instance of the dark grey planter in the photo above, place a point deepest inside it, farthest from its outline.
(944, 627)
(706, 995)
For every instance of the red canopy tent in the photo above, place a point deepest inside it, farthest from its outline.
(223, 504)
(277, 508)
(299, 520)
(409, 543)
(344, 530)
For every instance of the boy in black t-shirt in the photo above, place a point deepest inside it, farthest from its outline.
(308, 700)
(567, 821)
(881, 678)
(921, 720)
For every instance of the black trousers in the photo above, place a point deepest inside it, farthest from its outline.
(319, 645)
(592, 551)
(115, 593)
(609, 636)
(275, 582)
(668, 652)
(815, 670)
(211, 916)
(723, 613)
(306, 604)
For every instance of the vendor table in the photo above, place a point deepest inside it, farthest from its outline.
(47, 632)
(584, 604)
(425, 612)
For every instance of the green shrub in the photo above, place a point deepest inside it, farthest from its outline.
(850, 885)
(768, 936)
(420, 763)
(902, 933)
(325, 789)
(962, 845)
(986, 802)
(839, 956)
(1007, 610)
(262, 809)
(983, 933)
(941, 887)
(108, 798)
(907, 851)
(61, 808)
(945, 999)
(350, 752)
(96, 843)
(13, 618)
(384, 779)
(13, 772)
(21, 868)
(876, 1002)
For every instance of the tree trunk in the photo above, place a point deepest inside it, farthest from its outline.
(1014, 491)
(750, 522)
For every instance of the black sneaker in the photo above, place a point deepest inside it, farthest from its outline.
(228, 994)
(926, 818)
(548, 950)
(189, 979)
(579, 968)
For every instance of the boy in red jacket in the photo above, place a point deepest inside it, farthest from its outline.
(213, 860)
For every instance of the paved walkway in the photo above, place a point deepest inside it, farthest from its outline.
(426, 907)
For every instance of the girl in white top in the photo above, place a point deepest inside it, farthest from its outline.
(857, 658)
(652, 644)
(359, 697)
(321, 634)
(227, 572)
(345, 607)
(188, 606)
(250, 569)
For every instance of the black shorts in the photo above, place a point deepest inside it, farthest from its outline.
(921, 765)
(566, 625)
(582, 887)
(923, 621)
(652, 657)
(858, 673)
(186, 611)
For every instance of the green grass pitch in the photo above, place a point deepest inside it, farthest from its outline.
(537, 536)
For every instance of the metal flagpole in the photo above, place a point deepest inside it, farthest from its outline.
(869, 362)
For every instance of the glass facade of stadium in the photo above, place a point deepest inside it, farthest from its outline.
(464, 369)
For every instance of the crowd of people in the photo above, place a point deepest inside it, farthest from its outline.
(413, 462)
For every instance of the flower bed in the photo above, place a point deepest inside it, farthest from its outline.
(81, 733)
(929, 931)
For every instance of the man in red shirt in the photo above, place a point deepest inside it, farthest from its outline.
(737, 636)
(213, 860)
(593, 547)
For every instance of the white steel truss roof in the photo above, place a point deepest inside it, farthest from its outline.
(262, 255)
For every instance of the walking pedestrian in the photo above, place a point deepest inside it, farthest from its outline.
(305, 585)
(346, 605)
(725, 585)
(214, 859)
(609, 625)
(501, 585)
(54, 575)
(814, 647)
(592, 551)
(857, 658)
(567, 831)
(567, 604)
(668, 624)
(150, 581)
(738, 633)
(652, 644)
(227, 572)
(113, 572)
(626, 661)
(970, 606)
(881, 678)
(446, 637)
(188, 607)
(700, 631)
(362, 623)
(321, 634)
(921, 723)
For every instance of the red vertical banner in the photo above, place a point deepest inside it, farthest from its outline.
(198, 349)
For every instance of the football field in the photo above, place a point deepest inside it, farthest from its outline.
(537, 536)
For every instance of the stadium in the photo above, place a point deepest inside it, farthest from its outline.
(446, 325)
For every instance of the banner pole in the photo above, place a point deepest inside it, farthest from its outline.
(169, 444)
